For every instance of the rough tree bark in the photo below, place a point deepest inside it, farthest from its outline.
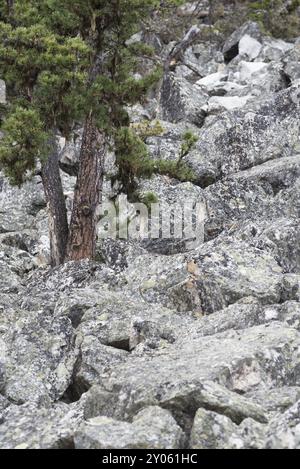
(87, 194)
(57, 212)
(10, 6)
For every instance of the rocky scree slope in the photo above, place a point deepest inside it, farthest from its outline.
(158, 346)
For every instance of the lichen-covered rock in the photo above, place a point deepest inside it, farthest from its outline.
(4, 404)
(247, 201)
(200, 60)
(38, 355)
(214, 431)
(96, 361)
(19, 206)
(235, 271)
(274, 49)
(291, 63)
(225, 402)
(247, 137)
(174, 342)
(29, 427)
(108, 332)
(241, 138)
(180, 102)
(209, 279)
(152, 428)
(10, 281)
(263, 356)
(284, 430)
(276, 400)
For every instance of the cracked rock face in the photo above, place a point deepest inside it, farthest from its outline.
(164, 344)
(152, 428)
(38, 356)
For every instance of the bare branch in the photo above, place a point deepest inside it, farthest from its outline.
(181, 47)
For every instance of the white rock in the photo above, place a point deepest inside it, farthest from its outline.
(135, 38)
(212, 80)
(250, 47)
(218, 103)
(247, 69)
(232, 86)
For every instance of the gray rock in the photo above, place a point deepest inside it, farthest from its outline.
(69, 154)
(237, 408)
(246, 313)
(211, 278)
(152, 428)
(263, 356)
(167, 145)
(182, 199)
(161, 333)
(213, 431)
(38, 356)
(180, 102)
(200, 60)
(97, 402)
(256, 80)
(2, 369)
(19, 206)
(284, 430)
(291, 63)
(117, 325)
(246, 201)
(29, 427)
(235, 272)
(274, 49)
(242, 138)
(46, 286)
(96, 361)
(291, 288)
(231, 46)
(276, 400)
(118, 253)
(222, 103)
(194, 8)
(10, 281)
(247, 137)
(4, 404)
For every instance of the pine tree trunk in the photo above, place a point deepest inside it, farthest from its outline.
(10, 6)
(57, 212)
(87, 195)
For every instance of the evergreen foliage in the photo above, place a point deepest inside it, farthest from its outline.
(277, 17)
(24, 141)
(45, 74)
(65, 59)
(134, 161)
(149, 198)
